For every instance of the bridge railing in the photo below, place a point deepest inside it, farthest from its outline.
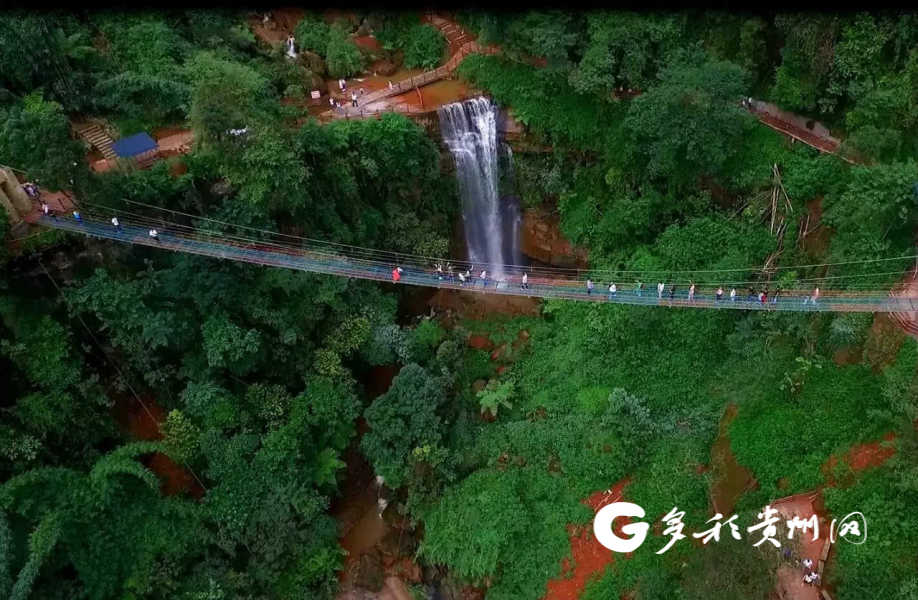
(264, 252)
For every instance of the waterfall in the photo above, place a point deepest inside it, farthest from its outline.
(491, 227)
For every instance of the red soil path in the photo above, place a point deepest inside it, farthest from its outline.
(590, 557)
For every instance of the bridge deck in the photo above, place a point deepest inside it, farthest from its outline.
(264, 253)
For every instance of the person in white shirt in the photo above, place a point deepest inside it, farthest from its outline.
(154, 234)
(589, 286)
(691, 293)
(525, 284)
(733, 295)
(613, 290)
(116, 224)
(461, 278)
(660, 287)
(484, 279)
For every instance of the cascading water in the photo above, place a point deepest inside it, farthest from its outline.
(491, 227)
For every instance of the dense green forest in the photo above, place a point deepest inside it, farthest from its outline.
(262, 374)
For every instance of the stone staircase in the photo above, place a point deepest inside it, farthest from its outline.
(95, 136)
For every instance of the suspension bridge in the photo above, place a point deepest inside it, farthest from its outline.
(272, 249)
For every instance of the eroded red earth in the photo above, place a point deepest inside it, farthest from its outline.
(588, 557)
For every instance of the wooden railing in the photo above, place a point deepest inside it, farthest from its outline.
(442, 72)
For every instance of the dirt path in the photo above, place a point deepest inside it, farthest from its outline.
(589, 557)
(790, 583)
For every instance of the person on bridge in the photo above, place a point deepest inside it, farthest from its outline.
(396, 274)
(691, 292)
(812, 298)
(77, 217)
(154, 234)
(763, 297)
(469, 277)
(639, 288)
(732, 294)
(525, 283)
(117, 224)
(719, 295)
(660, 287)
(774, 297)
(589, 286)
(484, 279)
(613, 290)
(461, 279)
(439, 272)
(672, 293)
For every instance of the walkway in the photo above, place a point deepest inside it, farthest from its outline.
(349, 263)
(810, 132)
(96, 136)
(455, 36)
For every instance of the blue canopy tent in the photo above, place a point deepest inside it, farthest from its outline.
(139, 146)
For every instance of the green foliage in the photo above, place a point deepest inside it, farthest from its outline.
(422, 44)
(624, 50)
(342, 54)
(496, 395)
(423, 47)
(228, 345)
(542, 101)
(424, 339)
(403, 420)
(224, 95)
(50, 52)
(35, 137)
(312, 33)
(690, 122)
(180, 436)
(847, 401)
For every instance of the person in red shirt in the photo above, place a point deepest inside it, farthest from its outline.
(396, 274)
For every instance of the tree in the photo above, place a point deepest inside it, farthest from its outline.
(110, 523)
(690, 123)
(807, 57)
(624, 49)
(35, 137)
(49, 53)
(424, 47)
(401, 420)
(312, 33)
(225, 95)
(342, 55)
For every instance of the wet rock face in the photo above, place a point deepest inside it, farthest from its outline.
(541, 239)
